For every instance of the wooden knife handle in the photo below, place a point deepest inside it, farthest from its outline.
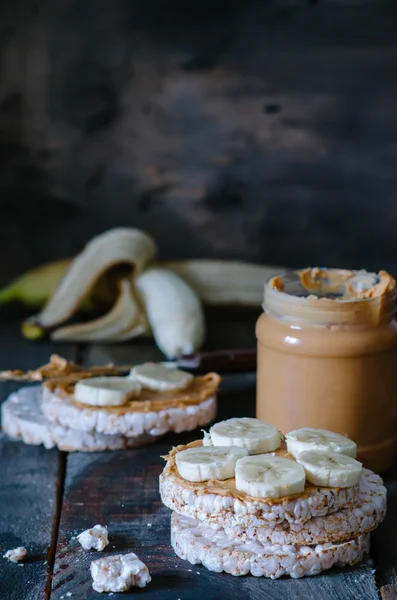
(222, 361)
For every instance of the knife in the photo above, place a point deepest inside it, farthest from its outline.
(222, 361)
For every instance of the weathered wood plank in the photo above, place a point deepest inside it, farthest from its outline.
(30, 478)
(384, 540)
(28, 493)
(120, 490)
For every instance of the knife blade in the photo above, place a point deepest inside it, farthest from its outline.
(222, 361)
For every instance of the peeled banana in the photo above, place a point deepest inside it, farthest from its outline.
(173, 311)
(115, 271)
(215, 282)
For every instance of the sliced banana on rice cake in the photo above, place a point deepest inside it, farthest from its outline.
(209, 500)
(277, 514)
(98, 400)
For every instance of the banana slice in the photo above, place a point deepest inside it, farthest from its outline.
(106, 391)
(255, 435)
(330, 469)
(321, 440)
(267, 476)
(157, 377)
(202, 464)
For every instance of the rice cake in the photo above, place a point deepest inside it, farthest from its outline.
(199, 544)
(366, 513)
(69, 413)
(22, 418)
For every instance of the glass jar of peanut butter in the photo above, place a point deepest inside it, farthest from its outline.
(327, 357)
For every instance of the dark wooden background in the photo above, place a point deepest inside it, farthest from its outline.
(256, 129)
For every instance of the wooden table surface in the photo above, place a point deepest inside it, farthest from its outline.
(48, 497)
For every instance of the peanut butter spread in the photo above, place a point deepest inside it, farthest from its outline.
(338, 285)
(228, 486)
(60, 369)
(61, 376)
(331, 297)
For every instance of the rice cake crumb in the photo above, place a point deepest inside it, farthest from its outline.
(16, 554)
(96, 538)
(119, 573)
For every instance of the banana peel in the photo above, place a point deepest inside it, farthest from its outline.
(224, 282)
(32, 331)
(124, 321)
(34, 288)
(108, 260)
(120, 250)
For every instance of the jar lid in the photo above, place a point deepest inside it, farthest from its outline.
(319, 296)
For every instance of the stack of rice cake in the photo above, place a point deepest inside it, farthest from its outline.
(225, 529)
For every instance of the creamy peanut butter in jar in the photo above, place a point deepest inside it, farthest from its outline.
(327, 357)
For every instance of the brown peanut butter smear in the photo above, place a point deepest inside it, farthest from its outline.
(340, 285)
(331, 297)
(327, 357)
(60, 368)
(60, 377)
(228, 486)
(199, 390)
